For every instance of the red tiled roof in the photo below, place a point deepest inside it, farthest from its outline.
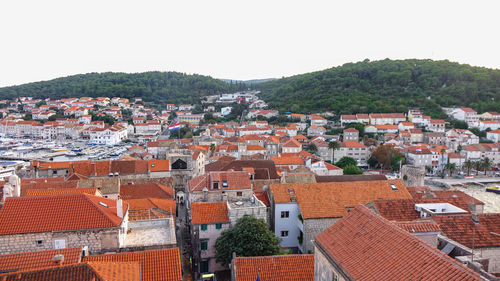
(262, 196)
(52, 213)
(461, 228)
(209, 212)
(155, 265)
(235, 180)
(419, 226)
(62, 191)
(349, 130)
(288, 160)
(275, 268)
(352, 144)
(39, 259)
(468, 109)
(331, 200)
(147, 190)
(368, 247)
(255, 147)
(404, 209)
(292, 143)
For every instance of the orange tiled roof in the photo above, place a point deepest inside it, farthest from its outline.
(288, 160)
(155, 265)
(52, 213)
(462, 229)
(119, 271)
(62, 191)
(352, 144)
(151, 203)
(209, 212)
(235, 180)
(275, 268)
(331, 200)
(159, 165)
(404, 209)
(369, 247)
(148, 190)
(255, 147)
(39, 259)
(419, 226)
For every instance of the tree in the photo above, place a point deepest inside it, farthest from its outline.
(372, 162)
(212, 149)
(486, 164)
(478, 165)
(386, 155)
(451, 167)
(346, 161)
(468, 165)
(442, 152)
(312, 148)
(352, 170)
(333, 145)
(249, 237)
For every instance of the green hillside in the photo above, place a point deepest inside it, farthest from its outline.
(387, 86)
(158, 87)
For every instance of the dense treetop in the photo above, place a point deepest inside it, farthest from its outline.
(158, 87)
(387, 86)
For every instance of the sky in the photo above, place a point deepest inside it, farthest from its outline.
(241, 40)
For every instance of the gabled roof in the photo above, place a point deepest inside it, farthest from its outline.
(419, 226)
(263, 169)
(61, 212)
(288, 160)
(209, 212)
(369, 247)
(275, 268)
(292, 143)
(62, 191)
(155, 265)
(332, 200)
(38, 259)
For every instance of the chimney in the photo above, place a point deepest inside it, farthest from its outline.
(58, 259)
(119, 208)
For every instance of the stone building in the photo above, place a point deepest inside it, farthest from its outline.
(54, 222)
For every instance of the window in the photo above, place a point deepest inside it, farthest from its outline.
(218, 225)
(285, 214)
(54, 172)
(39, 243)
(239, 193)
(203, 227)
(204, 266)
(284, 233)
(216, 185)
(59, 244)
(335, 277)
(224, 183)
(203, 245)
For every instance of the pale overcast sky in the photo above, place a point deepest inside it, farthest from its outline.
(233, 39)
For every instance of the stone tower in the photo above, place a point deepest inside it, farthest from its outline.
(413, 175)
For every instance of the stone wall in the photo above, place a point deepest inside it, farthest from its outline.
(313, 227)
(323, 269)
(231, 195)
(98, 241)
(259, 212)
(493, 254)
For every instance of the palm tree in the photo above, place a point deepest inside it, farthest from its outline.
(478, 165)
(486, 164)
(312, 148)
(468, 165)
(333, 146)
(451, 167)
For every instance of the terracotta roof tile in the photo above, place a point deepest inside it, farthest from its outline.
(147, 190)
(331, 200)
(368, 247)
(155, 265)
(461, 228)
(288, 160)
(159, 165)
(38, 259)
(255, 147)
(65, 191)
(119, 271)
(209, 212)
(263, 197)
(235, 180)
(404, 209)
(52, 213)
(419, 226)
(275, 268)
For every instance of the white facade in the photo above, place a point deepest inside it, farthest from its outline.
(286, 219)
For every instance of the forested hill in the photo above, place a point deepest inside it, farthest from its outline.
(158, 87)
(387, 86)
